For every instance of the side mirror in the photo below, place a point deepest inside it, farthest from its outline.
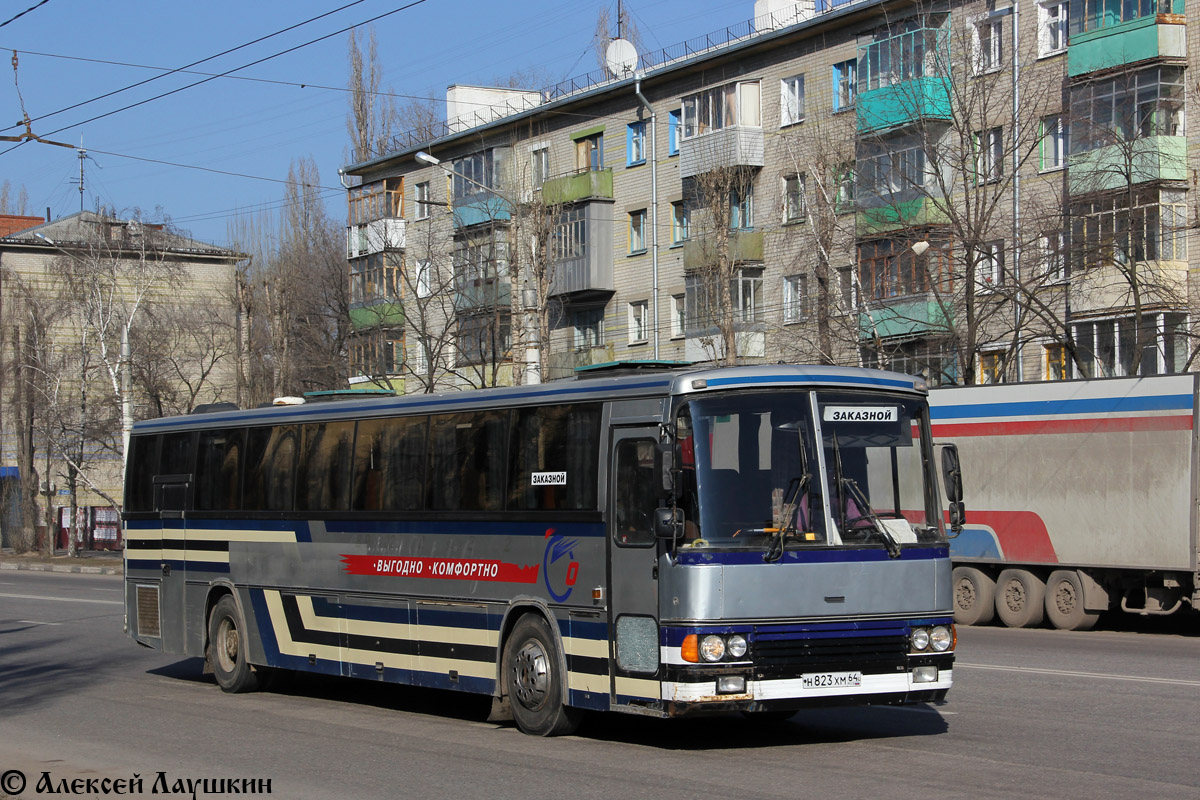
(958, 516)
(952, 473)
(668, 523)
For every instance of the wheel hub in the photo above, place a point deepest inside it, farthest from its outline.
(531, 675)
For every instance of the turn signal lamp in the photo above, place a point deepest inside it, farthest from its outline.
(690, 649)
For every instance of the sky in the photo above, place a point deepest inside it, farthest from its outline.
(207, 154)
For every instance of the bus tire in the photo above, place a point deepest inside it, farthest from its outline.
(534, 681)
(1064, 602)
(227, 648)
(974, 596)
(1020, 598)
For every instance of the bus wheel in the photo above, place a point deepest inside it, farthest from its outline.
(534, 681)
(227, 648)
(974, 596)
(1064, 602)
(1020, 598)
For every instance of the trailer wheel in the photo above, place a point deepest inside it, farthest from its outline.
(974, 596)
(534, 681)
(1020, 598)
(1064, 602)
(227, 648)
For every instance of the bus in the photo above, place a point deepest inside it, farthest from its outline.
(753, 539)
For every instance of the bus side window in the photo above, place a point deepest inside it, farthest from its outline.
(143, 465)
(634, 492)
(218, 475)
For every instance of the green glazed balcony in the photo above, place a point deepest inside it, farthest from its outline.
(916, 212)
(1143, 39)
(577, 187)
(744, 246)
(904, 103)
(1145, 160)
(376, 315)
(902, 317)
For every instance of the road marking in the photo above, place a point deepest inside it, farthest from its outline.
(35, 622)
(65, 599)
(1074, 674)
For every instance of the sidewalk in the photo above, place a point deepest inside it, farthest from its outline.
(91, 562)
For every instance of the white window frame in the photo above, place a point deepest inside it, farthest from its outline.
(424, 278)
(795, 298)
(1053, 251)
(797, 211)
(416, 356)
(421, 199)
(791, 100)
(1053, 27)
(988, 43)
(584, 324)
(639, 321)
(989, 272)
(637, 231)
(706, 111)
(1053, 144)
(678, 315)
(681, 222)
(989, 155)
(539, 165)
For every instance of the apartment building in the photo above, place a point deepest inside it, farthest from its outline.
(976, 192)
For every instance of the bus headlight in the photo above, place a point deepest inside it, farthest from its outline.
(918, 640)
(712, 648)
(736, 646)
(941, 638)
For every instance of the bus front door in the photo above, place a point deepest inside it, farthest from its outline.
(634, 493)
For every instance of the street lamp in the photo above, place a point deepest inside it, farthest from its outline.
(920, 247)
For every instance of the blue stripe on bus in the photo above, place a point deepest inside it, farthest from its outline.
(699, 556)
(1085, 405)
(577, 629)
(400, 409)
(806, 379)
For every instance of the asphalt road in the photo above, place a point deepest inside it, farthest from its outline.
(1034, 713)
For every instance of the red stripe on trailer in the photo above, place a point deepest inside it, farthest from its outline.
(1022, 535)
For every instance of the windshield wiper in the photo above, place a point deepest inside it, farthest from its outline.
(848, 486)
(797, 488)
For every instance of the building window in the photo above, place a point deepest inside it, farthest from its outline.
(417, 356)
(845, 178)
(470, 174)
(1110, 348)
(904, 51)
(722, 107)
(989, 44)
(379, 200)
(1053, 145)
(589, 153)
(374, 278)
(1148, 102)
(635, 144)
(680, 222)
(991, 366)
(424, 279)
(741, 208)
(1052, 27)
(376, 353)
(1107, 230)
(678, 315)
(1088, 16)
(481, 272)
(539, 166)
(637, 231)
(702, 299)
(847, 289)
(989, 155)
(483, 338)
(673, 122)
(795, 298)
(884, 170)
(791, 100)
(639, 321)
(1054, 360)
(889, 268)
(933, 360)
(795, 206)
(588, 328)
(570, 235)
(1053, 248)
(989, 270)
(845, 84)
(421, 198)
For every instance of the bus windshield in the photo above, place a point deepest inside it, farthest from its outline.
(750, 474)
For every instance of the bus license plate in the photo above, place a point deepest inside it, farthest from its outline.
(831, 680)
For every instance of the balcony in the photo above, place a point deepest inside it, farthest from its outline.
(375, 237)
(744, 247)
(479, 209)
(902, 317)
(1161, 36)
(903, 80)
(480, 293)
(905, 103)
(380, 314)
(588, 269)
(563, 365)
(735, 146)
(918, 211)
(595, 184)
(1105, 288)
(1145, 160)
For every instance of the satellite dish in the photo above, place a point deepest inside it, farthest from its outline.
(621, 58)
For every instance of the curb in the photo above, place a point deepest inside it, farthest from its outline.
(4, 565)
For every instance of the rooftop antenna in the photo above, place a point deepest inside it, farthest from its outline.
(28, 135)
(620, 57)
(83, 156)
